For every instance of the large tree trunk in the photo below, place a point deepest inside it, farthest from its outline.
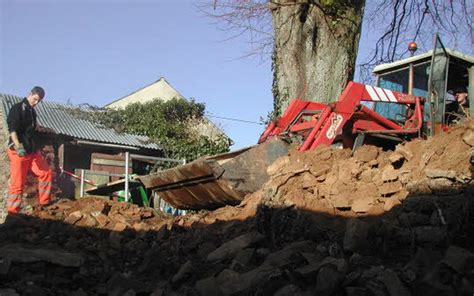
(315, 48)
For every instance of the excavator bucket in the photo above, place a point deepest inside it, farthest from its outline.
(216, 181)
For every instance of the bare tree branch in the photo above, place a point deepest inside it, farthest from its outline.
(396, 22)
(452, 19)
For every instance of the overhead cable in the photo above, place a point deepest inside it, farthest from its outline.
(235, 119)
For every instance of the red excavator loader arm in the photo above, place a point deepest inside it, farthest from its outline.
(319, 124)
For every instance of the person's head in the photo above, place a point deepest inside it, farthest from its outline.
(36, 95)
(460, 93)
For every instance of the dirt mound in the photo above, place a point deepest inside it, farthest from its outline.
(102, 214)
(328, 222)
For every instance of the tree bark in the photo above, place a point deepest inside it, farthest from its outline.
(315, 48)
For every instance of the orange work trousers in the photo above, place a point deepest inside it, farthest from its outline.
(19, 167)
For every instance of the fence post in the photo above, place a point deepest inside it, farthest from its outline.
(82, 184)
(127, 157)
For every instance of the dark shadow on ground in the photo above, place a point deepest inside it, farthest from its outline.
(279, 251)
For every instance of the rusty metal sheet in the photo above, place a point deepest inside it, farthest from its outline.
(247, 172)
(217, 181)
(208, 195)
(205, 169)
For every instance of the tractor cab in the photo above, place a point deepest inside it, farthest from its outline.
(434, 75)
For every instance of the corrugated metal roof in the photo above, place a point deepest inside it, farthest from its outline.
(55, 116)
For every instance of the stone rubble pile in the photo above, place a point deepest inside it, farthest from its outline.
(328, 222)
(369, 180)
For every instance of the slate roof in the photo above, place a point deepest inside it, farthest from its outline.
(54, 115)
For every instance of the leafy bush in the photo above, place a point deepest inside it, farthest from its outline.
(170, 124)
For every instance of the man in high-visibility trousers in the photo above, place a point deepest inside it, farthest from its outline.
(23, 152)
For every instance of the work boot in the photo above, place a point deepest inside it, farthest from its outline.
(27, 210)
(46, 205)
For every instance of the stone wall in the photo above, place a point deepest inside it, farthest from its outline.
(4, 166)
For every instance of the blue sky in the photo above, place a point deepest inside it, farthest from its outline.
(95, 51)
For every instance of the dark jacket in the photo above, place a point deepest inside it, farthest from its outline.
(22, 120)
(455, 111)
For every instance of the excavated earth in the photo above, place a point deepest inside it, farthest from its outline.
(328, 222)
